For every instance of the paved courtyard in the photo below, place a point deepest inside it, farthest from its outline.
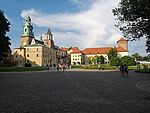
(73, 92)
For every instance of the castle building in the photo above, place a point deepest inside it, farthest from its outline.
(82, 56)
(34, 51)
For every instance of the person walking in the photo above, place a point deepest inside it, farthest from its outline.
(58, 67)
(122, 70)
(126, 71)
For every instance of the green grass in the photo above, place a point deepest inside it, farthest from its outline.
(20, 69)
(75, 66)
(132, 67)
(102, 67)
(144, 70)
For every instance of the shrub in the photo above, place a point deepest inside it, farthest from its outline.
(27, 64)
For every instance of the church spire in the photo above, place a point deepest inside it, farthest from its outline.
(49, 35)
(49, 39)
(27, 27)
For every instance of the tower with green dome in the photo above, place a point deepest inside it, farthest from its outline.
(27, 34)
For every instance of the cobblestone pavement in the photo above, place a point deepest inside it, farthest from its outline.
(73, 92)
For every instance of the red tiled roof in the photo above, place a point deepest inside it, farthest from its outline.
(65, 49)
(122, 39)
(105, 50)
(121, 49)
(89, 51)
(75, 50)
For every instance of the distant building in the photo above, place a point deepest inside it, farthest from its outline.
(82, 56)
(37, 52)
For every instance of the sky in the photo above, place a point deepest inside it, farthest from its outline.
(76, 23)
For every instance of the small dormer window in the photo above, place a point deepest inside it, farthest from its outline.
(25, 30)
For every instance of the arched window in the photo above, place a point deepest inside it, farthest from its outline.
(25, 30)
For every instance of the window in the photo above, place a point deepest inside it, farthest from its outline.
(37, 55)
(25, 30)
(37, 49)
(20, 62)
(16, 56)
(27, 55)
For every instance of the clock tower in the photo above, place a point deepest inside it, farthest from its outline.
(28, 34)
(49, 39)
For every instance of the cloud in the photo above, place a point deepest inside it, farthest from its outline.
(87, 28)
(92, 26)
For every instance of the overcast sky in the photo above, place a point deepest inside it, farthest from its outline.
(80, 23)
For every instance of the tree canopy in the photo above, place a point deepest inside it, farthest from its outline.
(127, 60)
(115, 61)
(133, 18)
(101, 59)
(112, 53)
(4, 39)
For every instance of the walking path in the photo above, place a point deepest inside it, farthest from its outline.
(144, 85)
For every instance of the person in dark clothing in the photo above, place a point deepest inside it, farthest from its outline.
(58, 67)
(126, 70)
(121, 70)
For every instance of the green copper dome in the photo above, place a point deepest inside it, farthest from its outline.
(27, 27)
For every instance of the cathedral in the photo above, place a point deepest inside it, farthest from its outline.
(37, 52)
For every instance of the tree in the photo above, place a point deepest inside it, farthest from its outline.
(127, 60)
(137, 56)
(133, 18)
(101, 59)
(4, 39)
(115, 61)
(112, 53)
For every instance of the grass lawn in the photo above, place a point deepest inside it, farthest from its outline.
(19, 69)
(102, 67)
(144, 70)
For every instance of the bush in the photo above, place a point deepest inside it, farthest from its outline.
(75, 66)
(27, 65)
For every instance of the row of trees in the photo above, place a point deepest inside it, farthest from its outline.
(97, 60)
(5, 50)
(114, 60)
(138, 57)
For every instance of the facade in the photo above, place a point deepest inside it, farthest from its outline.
(36, 52)
(82, 56)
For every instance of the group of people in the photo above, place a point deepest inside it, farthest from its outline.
(124, 70)
(61, 67)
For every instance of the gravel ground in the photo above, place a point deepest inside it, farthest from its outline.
(73, 92)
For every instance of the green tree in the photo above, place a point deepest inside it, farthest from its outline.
(4, 39)
(133, 18)
(137, 56)
(112, 53)
(127, 60)
(115, 61)
(101, 59)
